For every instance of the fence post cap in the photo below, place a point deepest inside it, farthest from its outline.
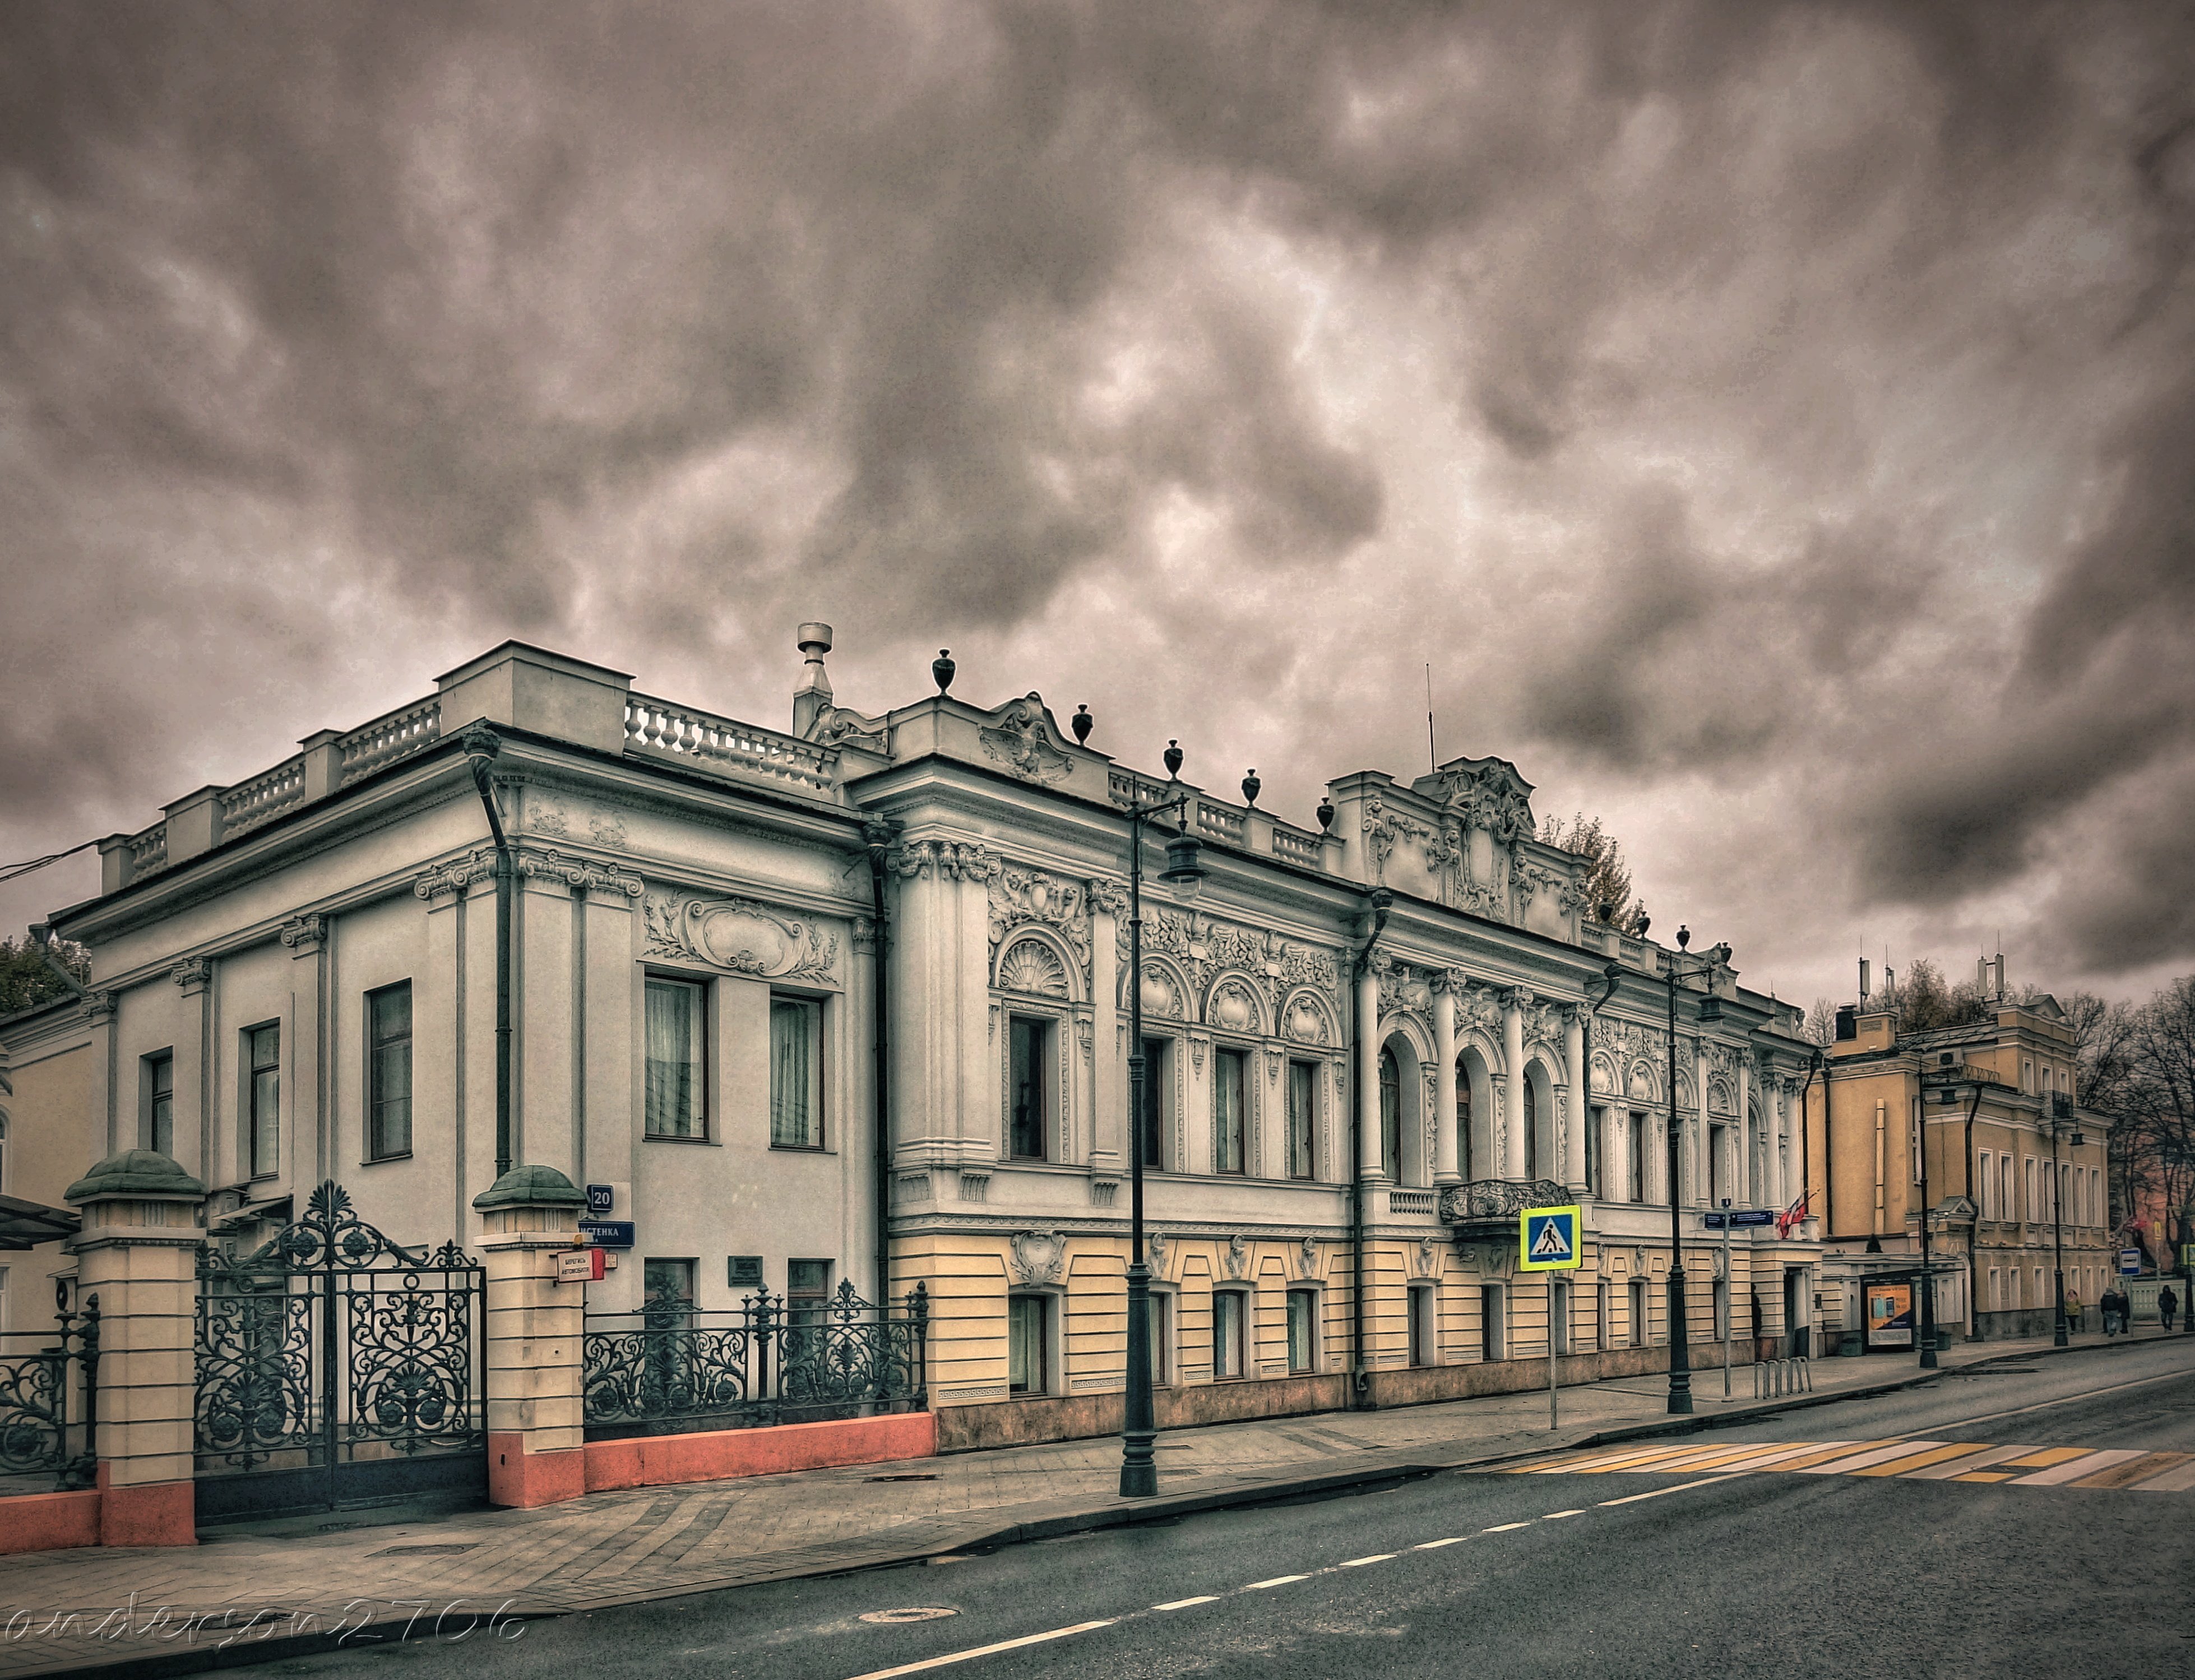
(135, 1173)
(530, 1187)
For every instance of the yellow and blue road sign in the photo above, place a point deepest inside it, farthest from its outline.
(1547, 1239)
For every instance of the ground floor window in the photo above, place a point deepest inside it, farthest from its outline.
(1028, 1344)
(1228, 1315)
(1302, 1330)
(1425, 1338)
(1600, 1339)
(1638, 1310)
(1493, 1338)
(1161, 1326)
(1558, 1316)
(1721, 1309)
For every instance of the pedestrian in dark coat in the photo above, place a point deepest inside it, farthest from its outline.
(2168, 1306)
(2114, 1310)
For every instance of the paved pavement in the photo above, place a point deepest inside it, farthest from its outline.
(248, 1593)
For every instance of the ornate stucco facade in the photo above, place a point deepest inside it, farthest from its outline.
(1352, 1024)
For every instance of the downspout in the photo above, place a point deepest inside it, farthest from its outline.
(481, 745)
(1973, 1226)
(1382, 902)
(1818, 1065)
(877, 836)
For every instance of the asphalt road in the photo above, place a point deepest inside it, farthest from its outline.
(1608, 1575)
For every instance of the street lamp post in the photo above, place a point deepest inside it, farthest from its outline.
(1680, 1357)
(1139, 1470)
(2058, 1337)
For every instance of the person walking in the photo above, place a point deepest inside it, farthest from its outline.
(2168, 1306)
(2109, 1305)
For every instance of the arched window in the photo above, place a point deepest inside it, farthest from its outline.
(1463, 1119)
(1531, 1128)
(1391, 1115)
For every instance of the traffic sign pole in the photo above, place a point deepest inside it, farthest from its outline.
(1550, 1239)
(1729, 1296)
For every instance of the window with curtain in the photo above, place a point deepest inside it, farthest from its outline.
(1391, 1114)
(674, 1096)
(1026, 1078)
(160, 1102)
(1302, 1330)
(389, 1071)
(1227, 1316)
(796, 1073)
(263, 1053)
(1026, 1336)
(1228, 1104)
(1637, 1151)
(1160, 1325)
(1153, 1100)
(1463, 1120)
(1303, 1117)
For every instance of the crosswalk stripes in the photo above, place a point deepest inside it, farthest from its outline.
(2118, 1469)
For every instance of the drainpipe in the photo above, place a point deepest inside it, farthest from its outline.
(1973, 1226)
(481, 745)
(1382, 902)
(878, 837)
(1819, 1065)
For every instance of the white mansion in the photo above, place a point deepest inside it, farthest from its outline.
(798, 998)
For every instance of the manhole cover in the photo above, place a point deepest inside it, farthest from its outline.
(913, 1614)
(424, 1551)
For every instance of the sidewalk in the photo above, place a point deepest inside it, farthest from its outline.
(252, 1596)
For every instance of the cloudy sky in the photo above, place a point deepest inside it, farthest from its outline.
(1774, 424)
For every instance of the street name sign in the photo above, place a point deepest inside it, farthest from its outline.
(1547, 1239)
(1740, 1218)
(607, 1233)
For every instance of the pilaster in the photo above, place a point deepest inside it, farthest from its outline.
(1580, 1097)
(1447, 1154)
(1369, 1162)
(306, 1151)
(1512, 1082)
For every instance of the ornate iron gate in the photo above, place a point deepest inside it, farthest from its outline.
(337, 1367)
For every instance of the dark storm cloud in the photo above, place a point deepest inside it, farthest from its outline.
(1795, 397)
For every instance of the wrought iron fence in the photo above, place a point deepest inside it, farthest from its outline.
(49, 1403)
(672, 1367)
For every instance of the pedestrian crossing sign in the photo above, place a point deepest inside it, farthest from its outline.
(1547, 1239)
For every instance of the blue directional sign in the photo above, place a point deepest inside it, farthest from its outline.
(1739, 1218)
(601, 1200)
(607, 1233)
(2129, 1262)
(1547, 1239)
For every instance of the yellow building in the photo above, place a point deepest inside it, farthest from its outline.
(1977, 1123)
(45, 1090)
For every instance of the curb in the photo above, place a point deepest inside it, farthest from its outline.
(1165, 1508)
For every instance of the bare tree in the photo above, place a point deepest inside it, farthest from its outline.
(2153, 1144)
(1925, 1002)
(1821, 1026)
(1608, 883)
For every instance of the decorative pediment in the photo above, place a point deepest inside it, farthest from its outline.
(1304, 1020)
(1487, 793)
(1233, 1007)
(1019, 739)
(738, 935)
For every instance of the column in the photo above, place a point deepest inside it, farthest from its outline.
(192, 1139)
(535, 1330)
(1448, 1158)
(99, 1015)
(307, 1150)
(1108, 1146)
(1369, 1162)
(544, 1073)
(1512, 1082)
(137, 1260)
(1696, 1123)
(1581, 1096)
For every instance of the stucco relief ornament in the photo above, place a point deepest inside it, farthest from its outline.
(455, 875)
(1020, 895)
(1308, 1248)
(835, 726)
(193, 974)
(738, 934)
(1109, 896)
(1238, 1256)
(547, 816)
(305, 932)
(577, 873)
(954, 860)
(1303, 1023)
(1038, 1256)
(607, 828)
(1030, 966)
(1018, 741)
(1154, 1251)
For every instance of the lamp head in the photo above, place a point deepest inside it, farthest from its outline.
(1182, 870)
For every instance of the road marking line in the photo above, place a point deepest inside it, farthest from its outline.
(1952, 1469)
(2086, 1464)
(2172, 1481)
(2135, 1471)
(1557, 1516)
(1359, 1562)
(1841, 1449)
(1780, 1457)
(2045, 1405)
(984, 1650)
(1874, 1455)
(1184, 1604)
(1435, 1545)
(1656, 1493)
(1628, 1459)
(2043, 1457)
(1259, 1586)
(1504, 1527)
(1921, 1461)
(1725, 1457)
(1985, 1476)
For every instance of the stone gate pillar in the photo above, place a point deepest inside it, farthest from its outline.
(137, 1252)
(536, 1442)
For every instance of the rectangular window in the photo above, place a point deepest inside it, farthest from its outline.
(1227, 1316)
(1492, 1337)
(1637, 1152)
(1028, 1344)
(389, 1071)
(1639, 1313)
(807, 1290)
(1154, 1113)
(796, 1073)
(1721, 1309)
(1303, 1331)
(1424, 1342)
(1594, 1170)
(1228, 1097)
(1986, 1202)
(1303, 1117)
(1601, 1339)
(666, 1321)
(263, 1051)
(1995, 1290)
(1028, 1040)
(2005, 1209)
(1718, 1173)
(674, 1099)
(1161, 1324)
(157, 1079)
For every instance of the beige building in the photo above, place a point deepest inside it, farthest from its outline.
(1977, 1123)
